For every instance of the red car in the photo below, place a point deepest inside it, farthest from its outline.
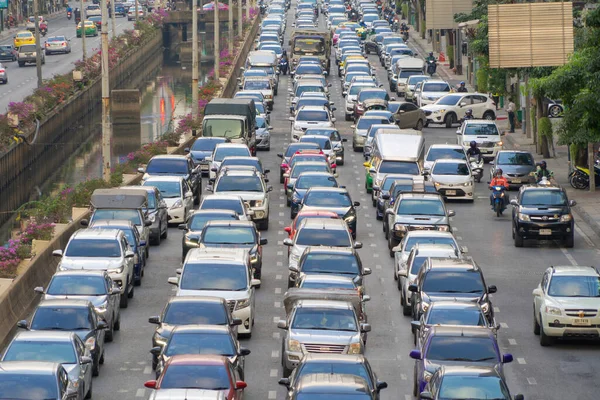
(291, 230)
(197, 373)
(289, 152)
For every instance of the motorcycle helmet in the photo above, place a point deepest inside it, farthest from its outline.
(473, 144)
(469, 111)
(543, 164)
(462, 84)
(499, 172)
(431, 54)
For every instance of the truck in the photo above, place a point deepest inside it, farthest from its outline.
(267, 61)
(311, 43)
(234, 119)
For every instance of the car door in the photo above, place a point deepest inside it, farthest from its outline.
(113, 302)
(417, 93)
(463, 105)
(407, 116)
(128, 261)
(100, 333)
(478, 104)
(538, 300)
(85, 370)
(162, 208)
(188, 201)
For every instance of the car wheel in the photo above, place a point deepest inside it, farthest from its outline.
(156, 239)
(109, 335)
(489, 115)
(21, 64)
(545, 340)
(281, 177)
(264, 225)
(124, 303)
(426, 124)
(88, 395)
(377, 216)
(391, 244)
(117, 323)
(415, 386)
(131, 293)
(198, 196)
(555, 111)
(518, 240)
(374, 202)
(95, 370)
(420, 125)
(570, 240)
(341, 162)
(450, 120)
(536, 325)
(154, 362)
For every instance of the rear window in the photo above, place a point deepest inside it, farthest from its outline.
(167, 166)
(436, 87)
(312, 115)
(27, 48)
(93, 248)
(323, 237)
(209, 313)
(481, 129)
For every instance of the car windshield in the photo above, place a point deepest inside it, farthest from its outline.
(223, 152)
(27, 48)
(421, 207)
(411, 241)
(256, 85)
(348, 368)
(309, 46)
(24, 35)
(208, 377)
(57, 39)
(323, 237)
(448, 168)
(227, 128)
(402, 188)
(399, 167)
(93, 248)
(326, 319)
(373, 94)
(370, 18)
(467, 316)
(461, 348)
(206, 313)
(261, 123)
(542, 197)
(223, 204)
(574, 286)
(453, 282)
(304, 69)
(25, 350)
(332, 396)
(473, 388)
(168, 189)
(355, 89)
(322, 141)
(276, 49)
(448, 100)
(26, 386)
(108, 214)
(228, 235)
(312, 115)
(337, 264)
(227, 183)
(214, 277)
(200, 343)
(437, 153)
(414, 79)
(436, 87)
(292, 148)
(330, 133)
(318, 198)
(300, 168)
(62, 318)
(167, 167)
(365, 123)
(312, 102)
(308, 181)
(327, 285)
(416, 264)
(514, 159)
(481, 129)
(79, 285)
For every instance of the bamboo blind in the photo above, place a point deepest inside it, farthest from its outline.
(440, 13)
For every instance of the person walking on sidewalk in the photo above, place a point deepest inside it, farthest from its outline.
(510, 109)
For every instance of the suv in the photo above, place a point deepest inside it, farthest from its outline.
(542, 212)
(156, 212)
(450, 278)
(251, 186)
(101, 249)
(175, 165)
(484, 133)
(28, 54)
(451, 108)
(415, 211)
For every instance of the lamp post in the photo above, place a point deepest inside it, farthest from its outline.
(194, 59)
(82, 17)
(217, 44)
(106, 124)
(230, 26)
(38, 47)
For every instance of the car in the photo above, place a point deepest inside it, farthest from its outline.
(177, 195)
(120, 10)
(310, 155)
(416, 184)
(542, 212)
(484, 133)
(368, 97)
(446, 345)
(91, 29)
(370, 137)
(196, 222)
(473, 382)
(290, 151)
(443, 151)
(45, 346)
(336, 140)
(201, 151)
(200, 376)
(303, 183)
(202, 339)
(44, 380)
(555, 108)
(351, 94)
(565, 303)
(415, 211)
(302, 215)
(316, 99)
(156, 212)
(189, 310)
(324, 144)
(310, 117)
(22, 38)
(141, 13)
(97, 19)
(410, 116)
(251, 187)
(300, 168)
(334, 386)
(263, 134)
(450, 278)
(410, 86)
(262, 84)
(3, 74)
(71, 315)
(93, 10)
(518, 167)
(333, 199)
(223, 150)
(227, 202)
(320, 281)
(224, 273)
(175, 165)
(94, 286)
(361, 128)
(27, 53)
(453, 179)
(450, 109)
(391, 187)
(8, 52)
(430, 91)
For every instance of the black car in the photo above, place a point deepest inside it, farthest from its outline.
(356, 364)
(542, 212)
(332, 387)
(195, 223)
(203, 147)
(450, 279)
(8, 52)
(176, 165)
(77, 316)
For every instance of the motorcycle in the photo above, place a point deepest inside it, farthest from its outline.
(43, 30)
(283, 66)
(69, 14)
(498, 201)
(477, 168)
(579, 178)
(405, 38)
(431, 67)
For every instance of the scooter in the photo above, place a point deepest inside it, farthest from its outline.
(431, 67)
(580, 177)
(69, 14)
(477, 168)
(498, 201)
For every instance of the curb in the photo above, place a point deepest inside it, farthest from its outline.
(587, 219)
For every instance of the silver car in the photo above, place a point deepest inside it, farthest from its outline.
(517, 167)
(3, 74)
(57, 44)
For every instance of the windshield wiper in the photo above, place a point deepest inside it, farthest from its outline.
(485, 359)
(449, 291)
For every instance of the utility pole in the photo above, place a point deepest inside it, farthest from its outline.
(136, 10)
(195, 59)
(230, 27)
(82, 16)
(106, 124)
(591, 160)
(38, 47)
(247, 9)
(113, 23)
(217, 45)
(240, 27)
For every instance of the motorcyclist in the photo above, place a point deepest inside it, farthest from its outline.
(431, 58)
(468, 114)
(473, 151)
(283, 64)
(543, 172)
(462, 88)
(498, 180)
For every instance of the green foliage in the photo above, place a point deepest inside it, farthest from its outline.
(482, 80)
(545, 128)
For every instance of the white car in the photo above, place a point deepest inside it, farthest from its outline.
(484, 133)
(441, 151)
(131, 13)
(223, 150)
(351, 94)
(222, 273)
(451, 108)
(93, 10)
(430, 91)
(176, 193)
(453, 179)
(566, 303)
(310, 117)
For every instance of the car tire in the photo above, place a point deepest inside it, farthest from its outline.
(264, 225)
(154, 362)
(89, 393)
(570, 240)
(420, 125)
(131, 293)
(406, 310)
(374, 202)
(198, 196)
(124, 303)
(377, 216)
(281, 179)
(489, 115)
(450, 120)
(518, 239)
(536, 325)
(95, 370)
(157, 238)
(555, 111)
(391, 244)
(415, 386)
(109, 335)
(21, 64)
(286, 371)
(341, 162)
(290, 284)
(166, 234)
(545, 340)
(117, 323)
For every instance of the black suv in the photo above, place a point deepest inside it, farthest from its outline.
(542, 212)
(450, 279)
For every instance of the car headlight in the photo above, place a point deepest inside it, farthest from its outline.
(117, 270)
(523, 217)
(177, 204)
(444, 228)
(242, 304)
(427, 376)
(566, 218)
(102, 307)
(553, 310)
(294, 346)
(468, 183)
(258, 203)
(485, 307)
(436, 184)
(354, 348)
(499, 144)
(90, 343)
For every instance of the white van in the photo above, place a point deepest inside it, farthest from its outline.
(406, 68)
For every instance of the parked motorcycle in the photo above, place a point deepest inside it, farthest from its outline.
(580, 177)
(498, 199)
(431, 67)
(477, 168)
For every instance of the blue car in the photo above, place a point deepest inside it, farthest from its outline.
(305, 181)
(134, 240)
(203, 147)
(456, 346)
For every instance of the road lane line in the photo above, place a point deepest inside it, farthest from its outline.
(568, 256)
(521, 360)
(272, 394)
(503, 325)
(278, 290)
(273, 373)
(275, 354)
(532, 381)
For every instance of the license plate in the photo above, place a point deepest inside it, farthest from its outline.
(546, 232)
(516, 181)
(581, 322)
(451, 192)
(29, 54)
(3, 54)
(204, 167)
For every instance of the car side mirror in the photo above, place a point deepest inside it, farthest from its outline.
(367, 271)
(173, 280)
(389, 211)
(292, 119)
(572, 203)
(463, 104)
(344, 140)
(426, 396)
(464, 250)
(287, 229)
(154, 320)
(366, 298)
(86, 360)
(129, 254)
(115, 290)
(385, 196)
(288, 242)
(102, 325)
(269, 188)
(514, 202)
(282, 324)
(186, 150)
(57, 253)
(285, 382)
(416, 325)
(507, 358)
(451, 213)
(255, 282)
(403, 273)
(22, 324)
(356, 204)
(397, 248)
(415, 354)
(458, 131)
(492, 289)
(150, 384)
(293, 268)
(381, 385)
(155, 351)
(182, 227)
(147, 223)
(413, 288)
(236, 322)
(263, 241)
(244, 351)
(365, 328)
(141, 170)
(39, 289)
(358, 245)
(519, 397)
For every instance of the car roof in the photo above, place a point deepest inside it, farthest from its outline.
(328, 278)
(333, 383)
(453, 264)
(324, 223)
(432, 248)
(313, 108)
(236, 145)
(427, 233)
(445, 146)
(115, 223)
(454, 305)
(44, 336)
(422, 196)
(214, 211)
(310, 163)
(329, 250)
(71, 303)
(202, 328)
(240, 172)
(473, 370)
(211, 255)
(29, 367)
(169, 157)
(321, 303)
(329, 189)
(577, 270)
(233, 222)
(218, 196)
(325, 358)
(477, 121)
(197, 299)
(80, 272)
(314, 173)
(96, 234)
(436, 81)
(450, 161)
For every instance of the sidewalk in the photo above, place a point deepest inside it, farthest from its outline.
(588, 204)
(9, 33)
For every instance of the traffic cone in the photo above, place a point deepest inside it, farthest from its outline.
(442, 57)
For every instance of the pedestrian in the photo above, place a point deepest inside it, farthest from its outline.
(511, 108)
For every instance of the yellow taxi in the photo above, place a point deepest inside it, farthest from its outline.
(24, 37)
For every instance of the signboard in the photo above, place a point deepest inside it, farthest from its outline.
(3, 4)
(440, 13)
(530, 34)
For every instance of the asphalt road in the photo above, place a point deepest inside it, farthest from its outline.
(22, 81)
(566, 370)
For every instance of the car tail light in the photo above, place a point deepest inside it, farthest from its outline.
(64, 43)
(1, 71)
